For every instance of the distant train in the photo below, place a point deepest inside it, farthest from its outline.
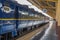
(12, 17)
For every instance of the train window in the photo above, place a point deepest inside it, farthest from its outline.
(0, 5)
(31, 14)
(0, 22)
(23, 12)
(36, 15)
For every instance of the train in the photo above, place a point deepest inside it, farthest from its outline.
(17, 19)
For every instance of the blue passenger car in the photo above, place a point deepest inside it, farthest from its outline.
(10, 14)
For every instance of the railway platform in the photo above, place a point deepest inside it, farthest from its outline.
(49, 33)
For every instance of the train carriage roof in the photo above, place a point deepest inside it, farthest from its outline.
(16, 2)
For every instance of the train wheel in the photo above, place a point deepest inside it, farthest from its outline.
(24, 29)
(37, 26)
(29, 28)
(32, 27)
(1, 37)
(20, 32)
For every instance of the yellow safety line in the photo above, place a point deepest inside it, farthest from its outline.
(17, 19)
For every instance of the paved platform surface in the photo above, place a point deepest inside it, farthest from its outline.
(58, 32)
(50, 33)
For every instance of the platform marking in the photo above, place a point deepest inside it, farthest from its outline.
(47, 31)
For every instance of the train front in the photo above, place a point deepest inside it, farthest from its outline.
(7, 17)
